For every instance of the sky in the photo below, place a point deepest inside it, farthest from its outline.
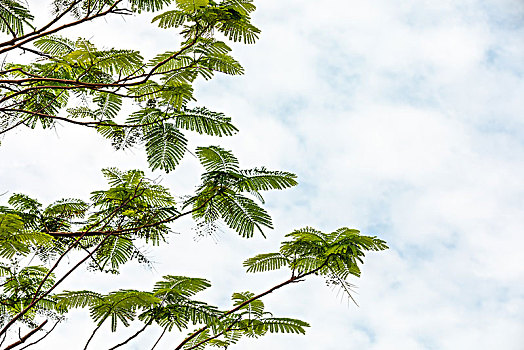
(402, 119)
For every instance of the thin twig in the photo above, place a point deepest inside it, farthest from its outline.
(33, 343)
(133, 336)
(95, 330)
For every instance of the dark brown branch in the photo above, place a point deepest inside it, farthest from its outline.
(25, 337)
(14, 125)
(74, 84)
(77, 241)
(280, 285)
(3, 339)
(26, 119)
(105, 318)
(126, 230)
(36, 52)
(31, 112)
(133, 229)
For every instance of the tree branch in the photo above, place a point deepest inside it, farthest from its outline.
(241, 305)
(25, 337)
(17, 42)
(160, 337)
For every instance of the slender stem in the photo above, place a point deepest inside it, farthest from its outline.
(107, 235)
(158, 340)
(15, 125)
(119, 83)
(108, 313)
(48, 25)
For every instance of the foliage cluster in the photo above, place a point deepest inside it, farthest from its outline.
(134, 102)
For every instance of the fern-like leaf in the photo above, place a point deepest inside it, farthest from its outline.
(242, 214)
(254, 308)
(180, 285)
(215, 158)
(266, 262)
(108, 105)
(55, 45)
(284, 325)
(265, 180)
(170, 19)
(68, 300)
(204, 121)
(165, 146)
(14, 16)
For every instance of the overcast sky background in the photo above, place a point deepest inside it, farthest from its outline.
(402, 119)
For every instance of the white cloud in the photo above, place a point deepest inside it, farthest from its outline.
(401, 119)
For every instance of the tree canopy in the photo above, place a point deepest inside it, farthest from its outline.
(134, 102)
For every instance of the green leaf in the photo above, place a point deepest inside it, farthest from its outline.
(204, 121)
(121, 307)
(215, 158)
(191, 5)
(265, 180)
(195, 341)
(180, 285)
(24, 203)
(119, 62)
(116, 251)
(67, 208)
(254, 308)
(68, 300)
(56, 46)
(170, 19)
(266, 262)
(148, 5)
(242, 214)
(284, 325)
(14, 16)
(165, 146)
(108, 105)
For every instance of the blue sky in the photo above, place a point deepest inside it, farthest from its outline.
(402, 119)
